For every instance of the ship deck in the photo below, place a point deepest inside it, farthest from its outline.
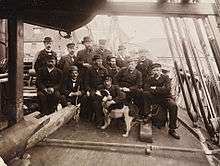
(84, 131)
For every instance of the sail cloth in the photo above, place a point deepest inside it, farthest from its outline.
(63, 15)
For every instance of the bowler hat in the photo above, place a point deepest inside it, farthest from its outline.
(155, 65)
(47, 39)
(86, 39)
(73, 68)
(121, 47)
(96, 56)
(70, 45)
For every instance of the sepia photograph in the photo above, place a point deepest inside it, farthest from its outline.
(110, 83)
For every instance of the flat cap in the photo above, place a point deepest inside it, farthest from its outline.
(70, 45)
(86, 39)
(73, 68)
(47, 39)
(155, 65)
(96, 56)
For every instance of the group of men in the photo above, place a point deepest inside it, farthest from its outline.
(80, 78)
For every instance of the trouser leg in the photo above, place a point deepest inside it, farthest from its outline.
(43, 102)
(173, 109)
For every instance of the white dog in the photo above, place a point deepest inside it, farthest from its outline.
(116, 113)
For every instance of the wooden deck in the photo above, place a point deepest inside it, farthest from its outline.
(65, 156)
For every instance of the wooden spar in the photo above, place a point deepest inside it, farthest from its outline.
(29, 131)
(15, 69)
(57, 119)
(14, 139)
(59, 142)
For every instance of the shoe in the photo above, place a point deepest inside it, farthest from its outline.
(173, 133)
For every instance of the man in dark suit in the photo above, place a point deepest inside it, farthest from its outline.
(130, 81)
(67, 60)
(41, 57)
(117, 96)
(112, 67)
(49, 79)
(103, 51)
(84, 58)
(157, 90)
(96, 76)
(144, 64)
(72, 88)
(122, 56)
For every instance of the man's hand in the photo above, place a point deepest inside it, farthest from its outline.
(50, 90)
(86, 65)
(97, 92)
(71, 94)
(125, 89)
(88, 93)
(109, 97)
(78, 93)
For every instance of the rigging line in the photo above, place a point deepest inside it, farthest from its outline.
(194, 118)
(207, 96)
(201, 106)
(180, 54)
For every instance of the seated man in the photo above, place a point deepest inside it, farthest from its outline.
(111, 66)
(72, 88)
(49, 80)
(117, 96)
(130, 81)
(157, 90)
(91, 102)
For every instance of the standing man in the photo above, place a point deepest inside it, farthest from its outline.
(121, 56)
(67, 60)
(144, 64)
(49, 80)
(41, 57)
(103, 51)
(157, 90)
(84, 58)
(130, 81)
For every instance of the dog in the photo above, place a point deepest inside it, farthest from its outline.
(115, 113)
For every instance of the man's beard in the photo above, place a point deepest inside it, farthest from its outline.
(71, 52)
(50, 66)
(48, 48)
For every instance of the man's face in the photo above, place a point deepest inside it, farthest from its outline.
(132, 65)
(71, 50)
(156, 71)
(74, 74)
(51, 63)
(112, 62)
(88, 44)
(108, 83)
(98, 62)
(48, 45)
